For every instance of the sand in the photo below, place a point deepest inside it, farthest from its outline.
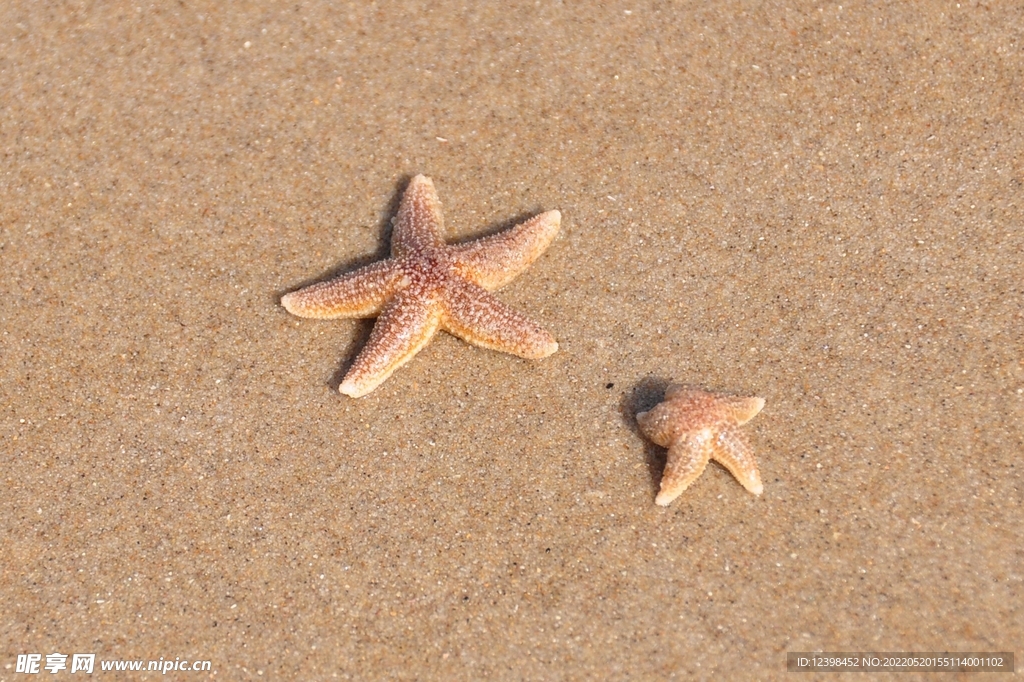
(812, 203)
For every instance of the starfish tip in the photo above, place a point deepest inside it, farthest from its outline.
(290, 301)
(421, 180)
(755, 406)
(751, 480)
(353, 389)
(665, 498)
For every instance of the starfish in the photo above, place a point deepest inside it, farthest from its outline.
(697, 426)
(428, 285)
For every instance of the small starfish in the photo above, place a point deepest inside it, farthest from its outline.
(697, 426)
(426, 285)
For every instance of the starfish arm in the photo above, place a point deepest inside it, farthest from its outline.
(686, 460)
(419, 223)
(658, 424)
(475, 316)
(360, 293)
(403, 328)
(494, 261)
(732, 450)
(742, 410)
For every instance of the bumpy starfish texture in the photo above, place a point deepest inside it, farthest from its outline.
(697, 426)
(428, 285)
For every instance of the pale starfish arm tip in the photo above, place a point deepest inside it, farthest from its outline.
(665, 497)
(686, 460)
(731, 449)
(541, 346)
(476, 316)
(301, 304)
(288, 301)
(356, 389)
(748, 408)
(360, 293)
(492, 262)
(751, 480)
(538, 351)
(404, 327)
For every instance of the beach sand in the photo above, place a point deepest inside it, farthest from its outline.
(817, 204)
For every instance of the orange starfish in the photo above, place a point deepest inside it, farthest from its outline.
(697, 426)
(426, 285)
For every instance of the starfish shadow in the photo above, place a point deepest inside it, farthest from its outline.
(350, 352)
(382, 252)
(644, 395)
(495, 228)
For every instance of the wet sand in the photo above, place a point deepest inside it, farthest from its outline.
(818, 205)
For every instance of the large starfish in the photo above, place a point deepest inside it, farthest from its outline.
(697, 426)
(427, 285)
